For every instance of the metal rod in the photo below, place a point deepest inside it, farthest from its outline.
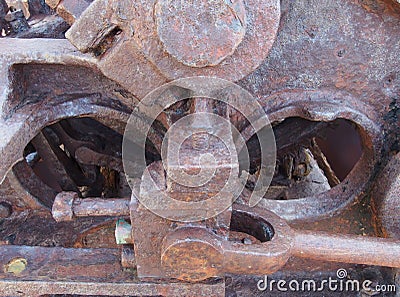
(347, 248)
(67, 206)
(92, 207)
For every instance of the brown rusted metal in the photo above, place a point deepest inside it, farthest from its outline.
(153, 39)
(101, 207)
(71, 10)
(192, 254)
(128, 257)
(195, 254)
(68, 206)
(126, 289)
(386, 194)
(327, 76)
(40, 288)
(83, 271)
(347, 249)
(87, 156)
(58, 163)
(99, 263)
(219, 32)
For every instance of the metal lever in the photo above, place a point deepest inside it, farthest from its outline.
(347, 248)
(195, 254)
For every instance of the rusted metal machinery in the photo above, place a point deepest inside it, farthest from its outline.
(134, 150)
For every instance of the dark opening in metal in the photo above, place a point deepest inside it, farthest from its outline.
(252, 225)
(76, 154)
(312, 157)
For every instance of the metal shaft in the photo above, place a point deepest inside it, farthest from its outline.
(347, 248)
(113, 207)
(68, 206)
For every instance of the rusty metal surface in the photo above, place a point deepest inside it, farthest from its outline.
(347, 249)
(325, 72)
(210, 44)
(386, 193)
(117, 289)
(68, 205)
(195, 254)
(102, 18)
(59, 271)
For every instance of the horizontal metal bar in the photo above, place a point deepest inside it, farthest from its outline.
(34, 271)
(67, 206)
(57, 263)
(347, 248)
(89, 207)
(37, 288)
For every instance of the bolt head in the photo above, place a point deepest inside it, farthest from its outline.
(63, 206)
(200, 33)
(191, 254)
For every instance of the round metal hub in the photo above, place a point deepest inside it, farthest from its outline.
(204, 34)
